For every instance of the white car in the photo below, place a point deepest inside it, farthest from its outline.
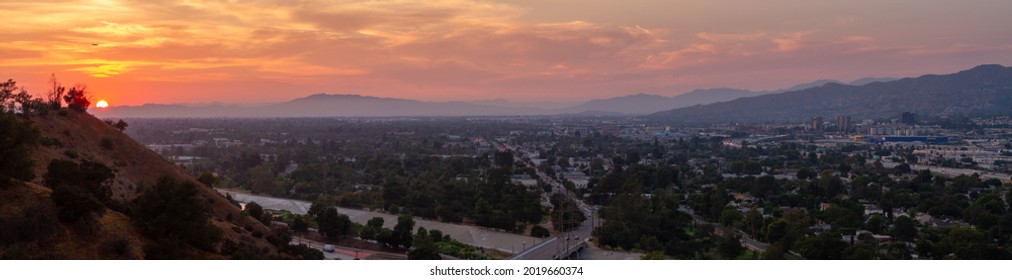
(328, 248)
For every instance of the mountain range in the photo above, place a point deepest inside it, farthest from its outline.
(982, 90)
(351, 105)
(320, 105)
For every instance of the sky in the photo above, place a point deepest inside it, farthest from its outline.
(192, 52)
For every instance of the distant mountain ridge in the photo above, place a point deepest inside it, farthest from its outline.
(640, 104)
(322, 105)
(982, 90)
(353, 105)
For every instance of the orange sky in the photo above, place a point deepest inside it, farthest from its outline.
(522, 50)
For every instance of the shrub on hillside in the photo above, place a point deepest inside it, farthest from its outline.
(106, 143)
(34, 221)
(79, 189)
(171, 210)
(16, 146)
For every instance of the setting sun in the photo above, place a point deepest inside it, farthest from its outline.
(101, 104)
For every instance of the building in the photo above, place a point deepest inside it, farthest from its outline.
(817, 123)
(908, 118)
(524, 180)
(843, 123)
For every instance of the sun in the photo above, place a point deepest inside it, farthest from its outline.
(101, 104)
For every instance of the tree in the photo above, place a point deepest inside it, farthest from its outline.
(299, 225)
(79, 189)
(263, 181)
(729, 217)
(904, 228)
(372, 229)
(424, 247)
(985, 212)
(16, 147)
(328, 222)
(208, 178)
(172, 210)
(121, 125)
(319, 206)
(504, 159)
(75, 203)
(255, 210)
(375, 222)
(385, 236)
(77, 98)
(822, 247)
(776, 230)
(56, 93)
(482, 212)
(9, 92)
(402, 231)
(539, 231)
(968, 243)
(753, 222)
(901, 169)
(565, 215)
(343, 224)
(729, 246)
(875, 224)
(860, 252)
(437, 235)
(368, 233)
(805, 173)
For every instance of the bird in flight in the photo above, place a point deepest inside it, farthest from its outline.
(95, 44)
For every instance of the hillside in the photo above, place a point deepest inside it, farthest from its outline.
(983, 90)
(34, 226)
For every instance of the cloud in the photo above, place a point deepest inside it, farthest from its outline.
(104, 70)
(419, 49)
(116, 30)
(790, 42)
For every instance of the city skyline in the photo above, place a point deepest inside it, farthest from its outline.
(560, 51)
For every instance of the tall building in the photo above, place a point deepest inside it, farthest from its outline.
(817, 123)
(908, 118)
(843, 123)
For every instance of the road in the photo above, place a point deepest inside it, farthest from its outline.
(472, 235)
(557, 246)
(569, 241)
(749, 243)
(346, 253)
(553, 247)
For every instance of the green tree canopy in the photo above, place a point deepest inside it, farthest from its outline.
(16, 147)
(172, 210)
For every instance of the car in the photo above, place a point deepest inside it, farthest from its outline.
(328, 248)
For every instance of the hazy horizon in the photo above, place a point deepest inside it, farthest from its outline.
(562, 51)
